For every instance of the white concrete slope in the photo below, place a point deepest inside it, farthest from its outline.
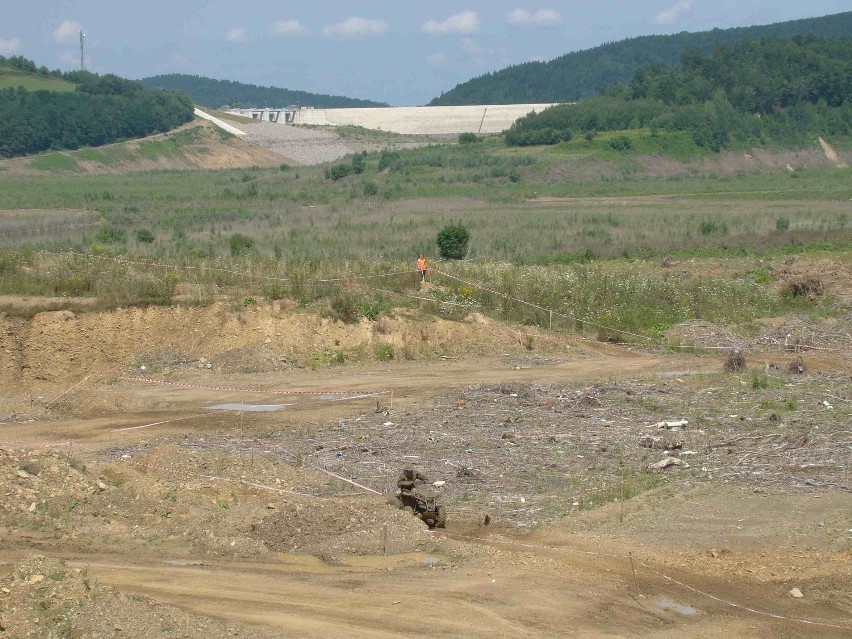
(220, 123)
(423, 120)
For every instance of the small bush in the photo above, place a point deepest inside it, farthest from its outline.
(809, 287)
(144, 236)
(452, 242)
(797, 366)
(108, 234)
(621, 143)
(759, 381)
(590, 135)
(384, 352)
(240, 244)
(338, 171)
(468, 138)
(344, 308)
(782, 223)
(712, 227)
(735, 361)
(358, 164)
(370, 188)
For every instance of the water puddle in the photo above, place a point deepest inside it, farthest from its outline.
(250, 408)
(681, 609)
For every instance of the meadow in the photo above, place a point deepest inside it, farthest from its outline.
(544, 228)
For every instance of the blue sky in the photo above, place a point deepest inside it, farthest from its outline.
(397, 51)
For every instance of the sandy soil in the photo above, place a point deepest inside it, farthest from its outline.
(201, 523)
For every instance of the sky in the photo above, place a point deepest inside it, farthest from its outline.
(397, 51)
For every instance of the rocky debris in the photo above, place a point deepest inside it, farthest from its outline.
(660, 443)
(667, 463)
(795, 593)
(673, 424)
(305, 145)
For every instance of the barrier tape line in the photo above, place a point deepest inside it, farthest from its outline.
(539, 307)
(163, 382)
(166, 421)
(656, 572)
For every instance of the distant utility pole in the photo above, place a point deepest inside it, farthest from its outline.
(82, 55)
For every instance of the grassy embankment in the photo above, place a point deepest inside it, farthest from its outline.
(12, 78)
(544, 228)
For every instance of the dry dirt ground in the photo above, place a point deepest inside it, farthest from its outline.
(129, 508)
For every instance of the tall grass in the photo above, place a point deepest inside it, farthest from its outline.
(604, 300)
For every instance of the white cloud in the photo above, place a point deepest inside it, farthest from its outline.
(356, 26)
(289, 27)
(237, 34)
(674, 12)
(71, 57)
(540, 18)
(437, 59)
(9, 46)
(472, 47)
(67, 31)
(464, 22)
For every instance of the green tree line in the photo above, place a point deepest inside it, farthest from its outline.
(101, 110)
(755, 91)
(216, 93)
(585, 73)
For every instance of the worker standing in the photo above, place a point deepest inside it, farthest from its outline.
(421, 266)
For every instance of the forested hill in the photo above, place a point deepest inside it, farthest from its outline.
(216, 93)
(584, 73)
(764, 91)
(77, 108)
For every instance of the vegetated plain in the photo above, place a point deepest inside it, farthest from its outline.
(577, 227)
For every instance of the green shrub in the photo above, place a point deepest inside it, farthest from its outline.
(240, 244)
(384, 352)
(144, 236)
(358, 164)
(468, 138)
(370, 188)
(452, 241)
(344, 308)
(590, 135)
(338, 171)
(621, 143)
(782, 223)
(388, 159)
(108, 234)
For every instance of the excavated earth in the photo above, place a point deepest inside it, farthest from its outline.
(131, 507)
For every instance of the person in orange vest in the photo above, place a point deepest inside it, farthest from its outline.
(421, 266)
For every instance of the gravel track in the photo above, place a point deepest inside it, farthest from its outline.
(305, 146)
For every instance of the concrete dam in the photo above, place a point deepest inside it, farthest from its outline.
(480, 119)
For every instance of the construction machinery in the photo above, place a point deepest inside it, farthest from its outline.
(420, 500)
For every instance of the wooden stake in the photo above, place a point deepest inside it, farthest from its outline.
(633, 570)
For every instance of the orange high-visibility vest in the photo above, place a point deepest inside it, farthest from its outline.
(421, 264)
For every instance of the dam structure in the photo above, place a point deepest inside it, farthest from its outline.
(420, 120)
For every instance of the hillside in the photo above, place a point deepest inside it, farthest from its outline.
(13, 78)
(584, 73)
(42, 110)
(215, 93)
(754, 92)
